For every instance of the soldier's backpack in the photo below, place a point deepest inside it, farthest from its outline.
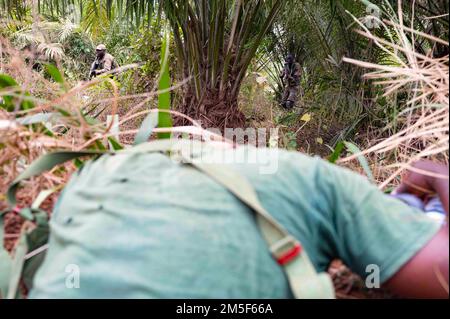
(28, 255)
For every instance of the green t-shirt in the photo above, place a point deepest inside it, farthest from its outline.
(145, 226)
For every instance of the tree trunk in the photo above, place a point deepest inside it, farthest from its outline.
(216, 41)
(214, 109)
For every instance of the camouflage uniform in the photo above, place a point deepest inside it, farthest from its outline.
(291, 76)
(102, 64)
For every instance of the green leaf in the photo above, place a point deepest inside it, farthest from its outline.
(78, 163)
(91, 120)
(99, 146)
(362, 160)
(26, 213)
(7, 81)
(336, 153)
(26, 104)
(55, 74)
(63, 112)
(5, 269)
(36, 118)
(147, 126)
(17, 266)
(164, 118)
(36, 239)
(8, 101)
(115, 145)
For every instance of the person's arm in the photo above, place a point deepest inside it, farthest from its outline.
(426, 274)
(367, 227)
(422, 185)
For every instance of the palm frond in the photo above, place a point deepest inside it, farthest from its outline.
(51, 51)
(67, 27)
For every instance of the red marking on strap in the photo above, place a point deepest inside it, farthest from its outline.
(289, 255)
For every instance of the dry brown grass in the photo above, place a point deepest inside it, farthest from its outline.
(424, 119)
(21, 145)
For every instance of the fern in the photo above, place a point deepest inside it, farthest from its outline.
(51, 51)
(66, 28)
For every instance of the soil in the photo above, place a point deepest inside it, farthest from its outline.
(350, 286)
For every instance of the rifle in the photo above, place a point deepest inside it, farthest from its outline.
(288, 73)
(93, 68)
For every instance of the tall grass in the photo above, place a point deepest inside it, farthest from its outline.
(423, 121)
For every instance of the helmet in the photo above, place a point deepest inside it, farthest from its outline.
(290, 58)
(101, 47)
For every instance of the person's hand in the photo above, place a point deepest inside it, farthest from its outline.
(423, 185)
(418, 278)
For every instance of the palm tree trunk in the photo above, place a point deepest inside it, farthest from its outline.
(216, 41)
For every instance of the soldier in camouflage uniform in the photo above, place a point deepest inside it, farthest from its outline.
(291, 80)
(104, 62)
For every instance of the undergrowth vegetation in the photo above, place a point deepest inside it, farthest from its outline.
(373, 90)
(390, 116)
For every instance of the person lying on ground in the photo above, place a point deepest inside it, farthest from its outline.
(144, 226)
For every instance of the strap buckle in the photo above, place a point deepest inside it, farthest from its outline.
(285, 250)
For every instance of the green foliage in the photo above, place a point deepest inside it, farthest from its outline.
(288, 119)
(217, 48)
(352, 148)
(118, 40)
(290, 141)
(146, 129)
(96, 20)
(54, 41)
(319, 40)
(336, 153)
(216, 43)
(56, 75)
(114, 144)
(164, 118)
(15, 97)
(79, 45)
(320, 33)
(145, 49)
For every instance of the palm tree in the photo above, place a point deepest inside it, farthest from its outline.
(319, 34)
(216, 40)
